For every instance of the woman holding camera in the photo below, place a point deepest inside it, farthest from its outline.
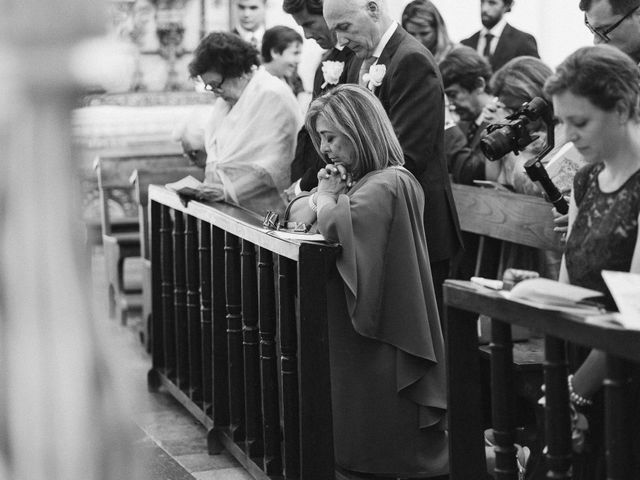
(385, 341)
(595, 93)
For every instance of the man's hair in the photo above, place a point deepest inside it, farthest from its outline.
(224, 52)
(278, 39)
(521, 77)
(618, 7)
(602, 74)
(314, 7)
(358, 114)
(464, 66)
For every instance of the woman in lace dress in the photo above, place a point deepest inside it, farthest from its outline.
(595, 95)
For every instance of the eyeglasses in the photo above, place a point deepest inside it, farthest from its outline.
(212, 86)
(603, 33)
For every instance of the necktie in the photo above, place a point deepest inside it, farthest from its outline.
(487, 45)
(364, 68)
(254, 41)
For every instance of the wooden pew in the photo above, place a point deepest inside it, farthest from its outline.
(140, 180)
(511, 219)
(240, 334)
(121, 239)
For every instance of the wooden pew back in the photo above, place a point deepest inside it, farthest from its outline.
(114, 172)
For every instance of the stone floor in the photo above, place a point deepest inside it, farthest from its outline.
(173, 443)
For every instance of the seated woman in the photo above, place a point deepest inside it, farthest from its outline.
(250, 135)
(385, 341)
(595, 95)
(281, 49)
(422, 20)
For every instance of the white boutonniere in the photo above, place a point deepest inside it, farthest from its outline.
(331, 71)
(375, 76)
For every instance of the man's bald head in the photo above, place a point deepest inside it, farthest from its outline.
(358, 24)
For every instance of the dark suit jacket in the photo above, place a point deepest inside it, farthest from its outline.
(511, 44)
(306, 161)
(413, 96)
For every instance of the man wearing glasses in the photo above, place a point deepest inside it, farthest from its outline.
(615, 22)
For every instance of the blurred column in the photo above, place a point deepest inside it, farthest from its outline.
(59, 417)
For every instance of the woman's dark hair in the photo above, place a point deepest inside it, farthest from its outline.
(314, 7)
(278, 39)
(602, 74)
(464, 66)
(224, 52)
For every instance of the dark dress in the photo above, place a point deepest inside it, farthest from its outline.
(603, 237)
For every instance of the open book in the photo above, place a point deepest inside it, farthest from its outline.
(188, 186)
(625, 290)
(551, 295)
(563, 164)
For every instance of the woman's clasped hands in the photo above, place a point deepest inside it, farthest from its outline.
(334, 179)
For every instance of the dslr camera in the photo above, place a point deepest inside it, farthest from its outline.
(512, 134)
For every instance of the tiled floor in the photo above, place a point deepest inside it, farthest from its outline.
(173, 442)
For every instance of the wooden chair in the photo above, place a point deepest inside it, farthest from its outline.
(509, 218)
(121, 237)
(140, 180)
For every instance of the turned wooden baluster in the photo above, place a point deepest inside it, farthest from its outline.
(502, 400)
(156, 330)
(194, 345)
(166, 255)
(234, 338)
(180, 302)
(206, 315)
(253, 401)
(272, 463)
(617, 425)
(557, 419)
(289, 366)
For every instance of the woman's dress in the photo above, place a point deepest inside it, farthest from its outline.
(603, 237)
(385, 340)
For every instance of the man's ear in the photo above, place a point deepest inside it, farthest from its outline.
(274, 53)
(623, 109)
(373, 9)
(480, 85)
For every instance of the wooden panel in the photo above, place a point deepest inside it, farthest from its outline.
(180, 332)
(521, 219)
(166, 256)
(206, 314)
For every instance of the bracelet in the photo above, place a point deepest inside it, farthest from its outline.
(312, 204)
(576, 399)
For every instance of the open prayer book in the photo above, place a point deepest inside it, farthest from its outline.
(551, 295)
(625, 290)
(188, 186)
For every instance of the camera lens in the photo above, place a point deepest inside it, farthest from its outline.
(499, 142)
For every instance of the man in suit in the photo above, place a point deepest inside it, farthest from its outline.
(308, 14)
(498, 41)
(412, 95)
(615, 22)
(250, 25)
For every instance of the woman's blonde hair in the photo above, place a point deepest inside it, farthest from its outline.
(356, 113)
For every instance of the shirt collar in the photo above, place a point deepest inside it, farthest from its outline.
(385, 39)
(497, 29)
(247, 34)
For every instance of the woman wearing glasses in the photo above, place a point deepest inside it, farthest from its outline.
(250, 136)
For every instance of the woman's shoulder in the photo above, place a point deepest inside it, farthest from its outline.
(390, 179)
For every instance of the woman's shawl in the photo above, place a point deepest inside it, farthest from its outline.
(250, 146)
(387, 280)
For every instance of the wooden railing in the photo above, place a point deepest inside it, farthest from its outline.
(467, 455)
(239, 334)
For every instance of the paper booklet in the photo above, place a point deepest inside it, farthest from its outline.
(552, 295)
(625, 290)
(188, 186)
(563, 164)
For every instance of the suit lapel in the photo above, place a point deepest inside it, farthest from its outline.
(505, 47)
